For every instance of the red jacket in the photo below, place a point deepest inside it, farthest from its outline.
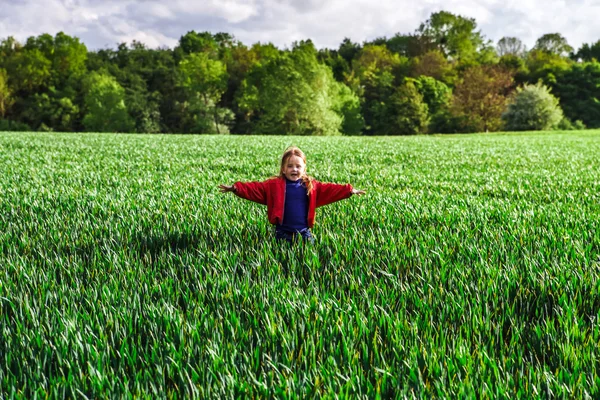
(272, 193)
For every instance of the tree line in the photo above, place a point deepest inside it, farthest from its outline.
(445, 77)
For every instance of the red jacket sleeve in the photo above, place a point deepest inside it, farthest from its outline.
(253, 191)
(328, 193)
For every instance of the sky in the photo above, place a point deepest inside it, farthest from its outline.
(106, 23)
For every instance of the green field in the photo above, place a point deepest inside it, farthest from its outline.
(470, 268)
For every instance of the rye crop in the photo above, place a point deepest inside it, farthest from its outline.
(469, 269)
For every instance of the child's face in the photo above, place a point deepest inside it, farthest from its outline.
(294, 168)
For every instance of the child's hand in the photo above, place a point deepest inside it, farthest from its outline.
(226, 188)
(358, 192)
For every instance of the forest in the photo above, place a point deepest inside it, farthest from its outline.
(445, 77)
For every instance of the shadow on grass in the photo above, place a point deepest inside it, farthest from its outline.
(155, 244)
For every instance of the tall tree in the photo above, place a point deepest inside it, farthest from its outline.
(348, 50)
(339, 66)
(68, 59)
(6, 99)
(347, 105)
(45, 76)
(480, 97)
(376, 73)
(588, 52)
(105, 109)
(29, 71)
(373, 58)
(544, 65)
(206, 80)
(510, 46)
(455, 36)
(203, 42)
(141, 72)
(66, 54)
(411, 112)
(436, 94)
(579, 92)
(8, 47)
(553, 43)
(291, 94)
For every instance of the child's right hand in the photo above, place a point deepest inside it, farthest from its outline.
(226, 188)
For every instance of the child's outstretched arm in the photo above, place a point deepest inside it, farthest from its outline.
(328, 193)
(253, 191)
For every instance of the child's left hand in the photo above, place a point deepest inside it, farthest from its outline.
(358, 192)
(226, 188)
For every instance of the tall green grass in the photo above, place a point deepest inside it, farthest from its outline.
(470, 269)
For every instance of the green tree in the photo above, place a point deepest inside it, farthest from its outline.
(545, 65)
(456, 37)
(411, 112)
(347, 105)
(6, 99)
(291, 94)
(436, 94)
(203, 42)
(239, 63)
(376, 73)
(510, 46)
(338, 64)
(66, 55)
(513, 63)
(45, 77)
(68, 60)
(142, 105)
(105, 109)
(532, 107)
(377, 59)
(206, 81)
(348, 50)
(579, 92)
(553, 43)
(163, 86)
(199, 115)
(8, 47)
(378, 110)
(29, 71)
(65, 115)
(140, 71)
(588, 52)
(51, 111)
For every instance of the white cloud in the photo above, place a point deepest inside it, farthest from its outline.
(326, 22)
(159, 10)
(232, 11)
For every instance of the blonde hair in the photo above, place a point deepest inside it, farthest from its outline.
(294, 151)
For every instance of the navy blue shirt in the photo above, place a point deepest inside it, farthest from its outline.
(295, 213)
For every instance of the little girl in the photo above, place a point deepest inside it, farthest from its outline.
(292, 197)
